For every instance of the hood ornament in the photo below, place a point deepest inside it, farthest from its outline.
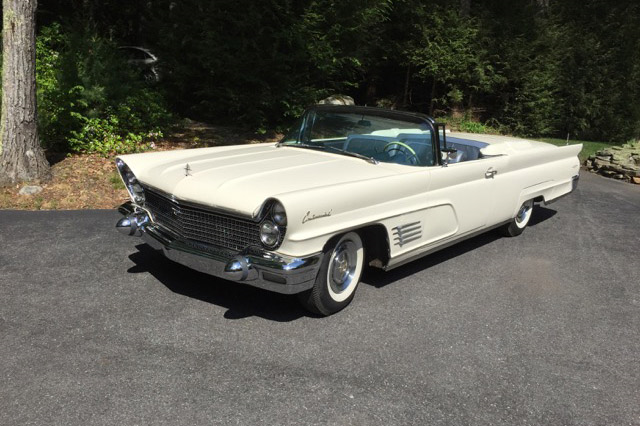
(187, 170)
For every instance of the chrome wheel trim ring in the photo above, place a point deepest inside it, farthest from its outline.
(345, 267)
(524, 214)
(342, 266)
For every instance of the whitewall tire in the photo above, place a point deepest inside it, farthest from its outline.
(338, 277)
(518, 223)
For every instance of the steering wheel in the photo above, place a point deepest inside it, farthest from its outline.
(403, 148)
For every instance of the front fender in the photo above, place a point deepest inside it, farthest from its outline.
(316, 215)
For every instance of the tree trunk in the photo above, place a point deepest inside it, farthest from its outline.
(405, 97)
(433, 96)
(372, 90)
(544, 4)
(21, 157)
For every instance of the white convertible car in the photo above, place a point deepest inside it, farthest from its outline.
(348, 187)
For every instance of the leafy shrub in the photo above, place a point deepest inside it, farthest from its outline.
(467, 124)
(104, 136)
(53, 111)
(90, 99)
(472, 127)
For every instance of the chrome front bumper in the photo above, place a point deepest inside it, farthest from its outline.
(254, 266)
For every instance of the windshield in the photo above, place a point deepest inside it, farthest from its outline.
(384, 137)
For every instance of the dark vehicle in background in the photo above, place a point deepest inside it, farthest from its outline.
(143, 59)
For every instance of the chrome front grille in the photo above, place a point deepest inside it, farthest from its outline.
(199, 224)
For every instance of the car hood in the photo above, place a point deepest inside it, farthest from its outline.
(241, 178)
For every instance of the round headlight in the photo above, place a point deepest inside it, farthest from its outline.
(269, 233)
(278, 214)
(130, 181)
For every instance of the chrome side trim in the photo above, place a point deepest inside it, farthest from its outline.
(406, 233)
(449, 243)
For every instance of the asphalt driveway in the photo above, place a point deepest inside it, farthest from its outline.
(96, 328)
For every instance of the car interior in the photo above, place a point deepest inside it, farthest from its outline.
(466, 150)
(408, 147)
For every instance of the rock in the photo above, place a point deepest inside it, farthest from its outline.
(337, 100)
(30, 190)
(598, 162)
(618, 162)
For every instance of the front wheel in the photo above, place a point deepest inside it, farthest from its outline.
(518, 223)
(338, 277)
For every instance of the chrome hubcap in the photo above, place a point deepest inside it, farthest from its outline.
(342, 267)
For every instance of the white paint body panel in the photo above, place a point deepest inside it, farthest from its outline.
(349, 193)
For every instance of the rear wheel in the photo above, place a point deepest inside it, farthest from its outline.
(518, 223)
(338, 277)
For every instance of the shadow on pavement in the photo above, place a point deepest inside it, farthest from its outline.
(241, 300)
(540, 214)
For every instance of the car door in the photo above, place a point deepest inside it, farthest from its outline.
(470, 189)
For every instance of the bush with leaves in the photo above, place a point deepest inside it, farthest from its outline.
(105, 136)
(90, 99)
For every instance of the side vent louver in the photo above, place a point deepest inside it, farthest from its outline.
(404, 234)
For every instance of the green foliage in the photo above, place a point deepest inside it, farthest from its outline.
(90, 99)
(600, 80)
(531, 66)
(527, 67)
(116, 181)
(105, 136)
(466, 124)
(589, 148)
(442, 50)
(261, 63)
(53, 106)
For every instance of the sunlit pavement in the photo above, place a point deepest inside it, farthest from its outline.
(540, 329)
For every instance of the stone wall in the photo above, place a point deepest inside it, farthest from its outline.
(618, 162)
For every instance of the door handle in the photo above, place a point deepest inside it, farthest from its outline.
(489, 174)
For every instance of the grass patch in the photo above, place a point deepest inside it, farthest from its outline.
(115, 181)
(589, 148)
(38, 200)
(466, 124)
